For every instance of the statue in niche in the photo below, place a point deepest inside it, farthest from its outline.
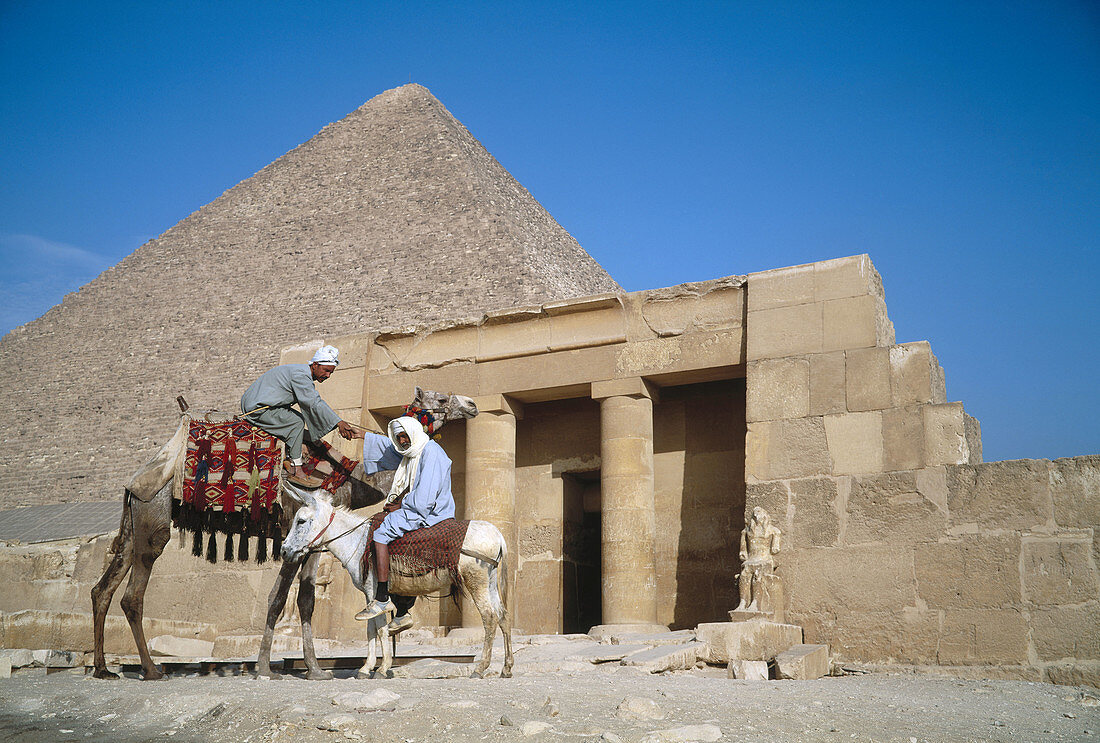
(761, 589)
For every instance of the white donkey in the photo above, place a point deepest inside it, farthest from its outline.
(482, 571)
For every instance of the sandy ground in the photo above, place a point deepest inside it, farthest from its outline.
(550, 699)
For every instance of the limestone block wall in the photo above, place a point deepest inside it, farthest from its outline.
(901, 545)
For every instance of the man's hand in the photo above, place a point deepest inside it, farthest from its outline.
(347, 431)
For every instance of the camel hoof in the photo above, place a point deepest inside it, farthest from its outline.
(268, 674)
(319, 676)
(155, 675)
(103, 673)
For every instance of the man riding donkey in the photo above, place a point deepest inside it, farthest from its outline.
(422, 482)
(266, 405)
(423, 469)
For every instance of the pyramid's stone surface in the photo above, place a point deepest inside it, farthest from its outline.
(393, 215)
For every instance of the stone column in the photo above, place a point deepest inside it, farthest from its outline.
(628, 520)
(491, 478)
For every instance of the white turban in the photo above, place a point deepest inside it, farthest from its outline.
(326, 355)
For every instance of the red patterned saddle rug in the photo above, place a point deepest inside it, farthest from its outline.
(230, 481)
(421, 551)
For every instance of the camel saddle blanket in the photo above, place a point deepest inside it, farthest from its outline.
(421, 551)
(233, 466)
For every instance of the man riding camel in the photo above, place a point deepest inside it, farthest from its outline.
(423, 477)
(266, 404)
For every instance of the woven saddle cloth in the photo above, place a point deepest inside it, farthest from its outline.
(421, 551)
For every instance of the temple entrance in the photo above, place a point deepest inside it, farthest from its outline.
(580, 559)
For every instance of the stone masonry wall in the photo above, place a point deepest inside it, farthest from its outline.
(901, 546)
(395, 214)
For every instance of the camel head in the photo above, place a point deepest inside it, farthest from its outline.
(308, 523)
(444, 406)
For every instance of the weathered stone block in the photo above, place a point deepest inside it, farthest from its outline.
(827, 385)
(932, 484)
(791, 448)
(5, 668)
(344, 389)
(902, 439)
(1013, 494)
(1059, 571)
(972, 429)
(890, 636)
(778, 388)
(1074, 674)
(748, 670)
(753, 640)
(867, 379)
(1066, 632)
(666, 658)
(803, 662)
(854, 322)
(509, 333)
(855, 442)
(890, 508)
(181, 647)
(871, 577)
(244, 646)
(977, 571)
(817, 504)
(914, 375)
(780, 287)
(945, 434)
(784, 331)
(983, 636)
(852, 276)
(1075, 488)
(772, 497)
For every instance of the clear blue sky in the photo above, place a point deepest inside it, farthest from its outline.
(958, 143)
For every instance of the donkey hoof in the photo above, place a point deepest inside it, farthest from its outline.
(103, 673)
(476, 675)
(506, 674)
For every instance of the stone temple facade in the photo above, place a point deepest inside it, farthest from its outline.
(623, 438)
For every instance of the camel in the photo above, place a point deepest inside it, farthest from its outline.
(145, 529)
(482, 572)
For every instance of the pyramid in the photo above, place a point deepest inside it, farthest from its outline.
(393, 215)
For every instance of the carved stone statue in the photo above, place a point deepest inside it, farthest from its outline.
(761, 589)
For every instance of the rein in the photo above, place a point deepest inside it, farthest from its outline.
(321, 545)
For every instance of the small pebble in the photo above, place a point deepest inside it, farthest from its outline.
(506, 721)
(1070, 715)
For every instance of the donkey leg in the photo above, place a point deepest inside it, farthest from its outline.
(506, 630)
(307, 585)
(276, 601)
(133, 603)
(383, 637)
(489, 619)
(104, 590)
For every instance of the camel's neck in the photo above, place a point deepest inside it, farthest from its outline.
(348, 549)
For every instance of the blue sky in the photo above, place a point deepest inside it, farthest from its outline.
(956, 143)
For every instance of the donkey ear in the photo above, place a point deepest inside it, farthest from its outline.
(299, 495)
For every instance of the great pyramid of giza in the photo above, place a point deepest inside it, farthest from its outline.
(393, 215)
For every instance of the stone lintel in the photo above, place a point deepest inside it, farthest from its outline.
(626, 387)
(498, 404)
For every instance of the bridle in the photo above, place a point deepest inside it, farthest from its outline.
(315, 546)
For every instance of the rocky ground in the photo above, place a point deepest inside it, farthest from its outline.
(553, 697)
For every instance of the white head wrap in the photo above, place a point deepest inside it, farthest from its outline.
(405, 476)
(326, 355)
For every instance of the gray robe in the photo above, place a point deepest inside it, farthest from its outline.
(280, 388)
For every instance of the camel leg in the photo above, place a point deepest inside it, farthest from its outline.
(133, 603)
(276, 601)
(104, 590)
(307, 585)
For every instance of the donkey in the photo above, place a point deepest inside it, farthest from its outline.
(146, 528)
(482, 571)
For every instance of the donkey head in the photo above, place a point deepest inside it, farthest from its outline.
(307, 523)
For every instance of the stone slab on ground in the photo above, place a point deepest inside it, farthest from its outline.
(666, 657)
(652, 639)
(606, 653)
(180, 647)
(607, 631)
(243, 646)
(803, 662)
(5, 668)
(19, 657)
(748, 670)
(429, 668)
(755, 639)
(57, 658)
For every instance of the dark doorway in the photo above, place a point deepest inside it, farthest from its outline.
(580, 558)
